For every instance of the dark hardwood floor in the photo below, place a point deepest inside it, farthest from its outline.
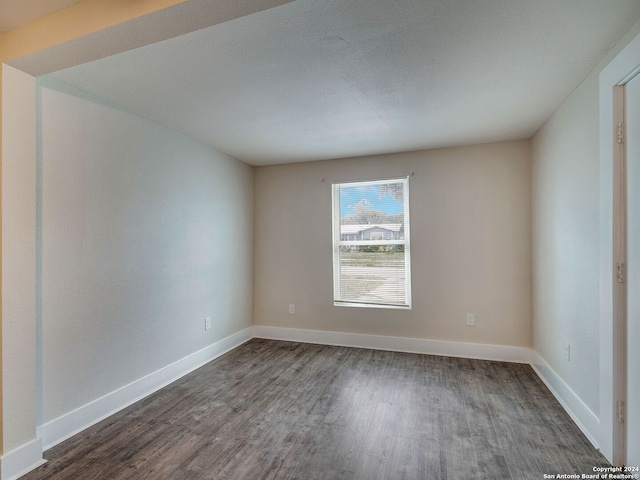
(282, 410)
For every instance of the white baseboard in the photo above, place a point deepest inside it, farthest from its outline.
(581, 414)
(478, 351)
(29, 456)
(21, 460)
(83, 417)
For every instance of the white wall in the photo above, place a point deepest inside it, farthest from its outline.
(18, 259)
(470, 234)
(145, 232)
(566, 253)
(565, 241)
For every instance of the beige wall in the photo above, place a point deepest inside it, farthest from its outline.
(470, 234)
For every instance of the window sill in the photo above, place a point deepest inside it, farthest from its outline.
(371, 305)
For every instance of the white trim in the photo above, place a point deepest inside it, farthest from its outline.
(621, 68)
(478, 351)
(407, 238)
(371, 305)
(22, 460)
(581, 414)
(83, 417)
(29, 456)
(369, 183)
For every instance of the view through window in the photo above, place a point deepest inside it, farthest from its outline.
(371, 261)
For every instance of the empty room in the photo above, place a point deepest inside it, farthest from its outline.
(299, 239)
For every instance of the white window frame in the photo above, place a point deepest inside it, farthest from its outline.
(337, 243)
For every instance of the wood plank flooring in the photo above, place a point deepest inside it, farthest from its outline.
(284, 410)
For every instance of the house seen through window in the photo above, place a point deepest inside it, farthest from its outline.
(371, 253)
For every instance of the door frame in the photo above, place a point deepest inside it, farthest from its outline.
(612, 377)
(619, 313)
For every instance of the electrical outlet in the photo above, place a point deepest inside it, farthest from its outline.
(292, 309)
(471, 319)
(567, 351)
(207, 323)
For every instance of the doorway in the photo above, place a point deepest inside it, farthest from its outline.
(631, 271)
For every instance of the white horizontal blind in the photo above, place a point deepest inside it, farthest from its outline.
(371, 254)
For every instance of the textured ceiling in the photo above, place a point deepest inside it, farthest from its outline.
(14, 13)
(314, 80)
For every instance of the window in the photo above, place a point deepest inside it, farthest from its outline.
(371, 261)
